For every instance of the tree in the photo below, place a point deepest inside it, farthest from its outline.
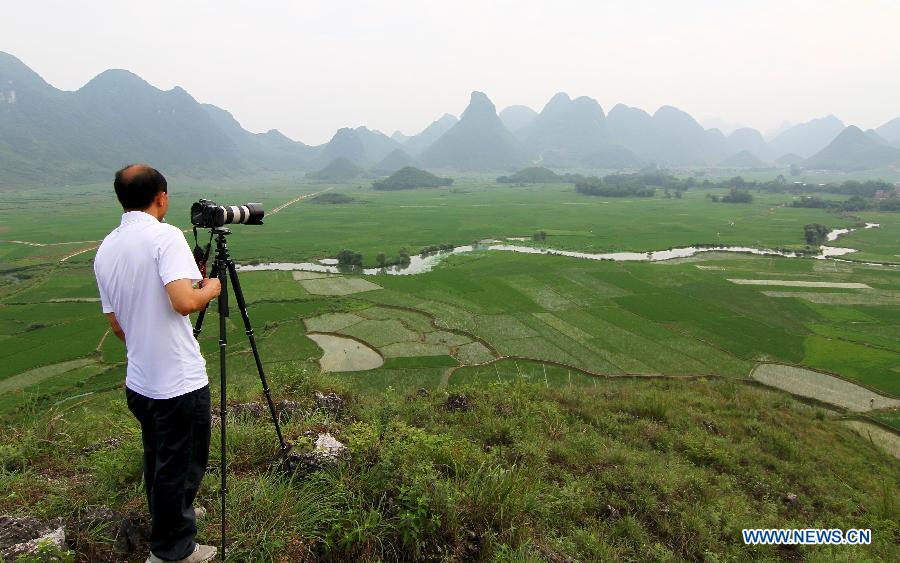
(349, 258)
(380, 259)
(539, 236)
(815, 233)
(737, 196)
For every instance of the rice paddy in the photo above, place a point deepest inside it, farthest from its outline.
(345, 354)
(713, 314)
(822, 387)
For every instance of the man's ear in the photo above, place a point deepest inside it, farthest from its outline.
(160, 199)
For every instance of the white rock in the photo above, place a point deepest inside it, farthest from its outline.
(328, 446)
(55, 538)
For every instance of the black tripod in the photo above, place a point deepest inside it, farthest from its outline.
(222, 263)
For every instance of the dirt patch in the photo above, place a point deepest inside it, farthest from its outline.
(822, 387)
(345, 354)
(888, 441)
(798, 283)
(337, 285)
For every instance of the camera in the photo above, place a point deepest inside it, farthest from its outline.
(209, 214)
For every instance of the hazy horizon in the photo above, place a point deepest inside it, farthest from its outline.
(308, 70)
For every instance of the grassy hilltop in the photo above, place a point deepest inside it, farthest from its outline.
(592, 469)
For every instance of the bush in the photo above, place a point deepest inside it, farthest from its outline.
(815, 233)
(349, 258)
(736, 195)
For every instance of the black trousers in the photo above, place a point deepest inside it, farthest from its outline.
(175, 433)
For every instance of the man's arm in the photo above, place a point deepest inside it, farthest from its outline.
(114, 326)
(186, 299)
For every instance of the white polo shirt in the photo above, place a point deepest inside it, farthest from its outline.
(133, 265)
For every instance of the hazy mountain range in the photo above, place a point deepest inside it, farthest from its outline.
(50, 136)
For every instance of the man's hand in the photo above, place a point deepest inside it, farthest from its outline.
(186, 299)
(213, 284)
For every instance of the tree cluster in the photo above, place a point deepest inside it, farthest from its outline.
(401, 260)
(736, 195)
(539, 175)
(855, 203)
(620, 185)
(815, 233)
(409, 178)
(332, 198)
(349, 258)
(435, 248)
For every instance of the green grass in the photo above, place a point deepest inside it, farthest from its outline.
(527, 473)
(870, 366)
(537, 468)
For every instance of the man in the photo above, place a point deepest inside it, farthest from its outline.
(145, 272)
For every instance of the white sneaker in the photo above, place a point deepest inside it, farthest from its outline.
(201, 554)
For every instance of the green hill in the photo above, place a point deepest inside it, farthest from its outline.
(409, 178)
(890, 131)
(742, 159)
(683, 141)
(749, 139)
(338, 170)
(789, 159)
(533, 175)
(807, 138)
(397, 159)
(494, 468)
(613, 157)
(479, 141)
(49, 136)
(417, 144)
(566, 130)
(855, 149)
(517, 117)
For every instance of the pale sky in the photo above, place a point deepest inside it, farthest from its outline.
(310, 67)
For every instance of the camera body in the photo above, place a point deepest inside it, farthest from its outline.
(208, 214)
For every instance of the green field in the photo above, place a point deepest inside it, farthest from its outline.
(490, 320)
(680, 317)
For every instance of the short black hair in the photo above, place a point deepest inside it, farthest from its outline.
(137, 184)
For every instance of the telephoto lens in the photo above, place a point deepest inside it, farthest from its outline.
(246, 214)
(209, 214)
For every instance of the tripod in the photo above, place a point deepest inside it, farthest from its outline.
(223, 263)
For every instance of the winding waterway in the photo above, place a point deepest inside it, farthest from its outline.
(425, 263)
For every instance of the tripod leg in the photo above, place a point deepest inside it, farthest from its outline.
(198, 326)
(223, 342)
(242, 305)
